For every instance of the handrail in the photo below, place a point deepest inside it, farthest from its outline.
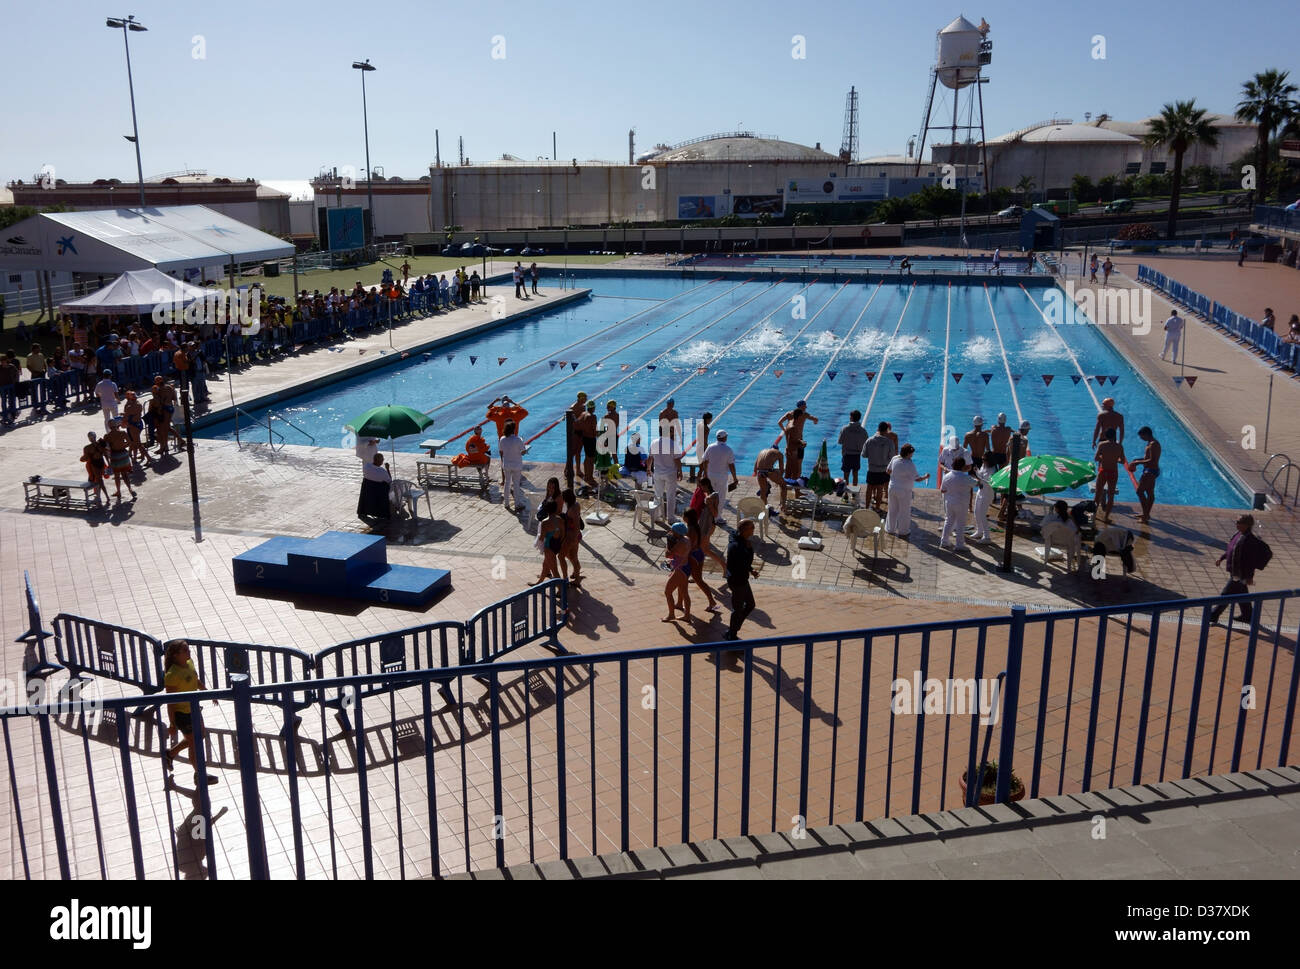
(1287, 466)
(267, 424)
(276, 417)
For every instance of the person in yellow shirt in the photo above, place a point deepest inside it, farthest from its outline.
(180, 676)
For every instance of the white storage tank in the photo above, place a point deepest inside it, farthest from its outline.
(958, 59)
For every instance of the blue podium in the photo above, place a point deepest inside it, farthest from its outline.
(340, 564)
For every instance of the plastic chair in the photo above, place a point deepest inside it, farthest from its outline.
(646, 508)
(864, 522)
(754, 508)
(404, 497)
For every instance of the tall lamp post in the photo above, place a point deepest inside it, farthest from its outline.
(364, 67)
(126, 25)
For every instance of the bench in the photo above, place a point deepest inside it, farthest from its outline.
(59, 493)
(442, 472)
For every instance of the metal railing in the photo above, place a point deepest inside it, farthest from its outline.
(574, 755)
(271, 432)
(1286, 467)
(1275, 217)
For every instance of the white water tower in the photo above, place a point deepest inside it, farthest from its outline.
(958, 59)
(962, 51)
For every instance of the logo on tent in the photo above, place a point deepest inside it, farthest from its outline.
(16, 241)
(65, 246)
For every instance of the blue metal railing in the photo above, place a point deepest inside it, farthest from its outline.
(572, 755)
(1275, 217)
(1273, 347)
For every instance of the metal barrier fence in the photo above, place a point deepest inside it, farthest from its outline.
(567, 756)
(1275, 217)
(1261, 338)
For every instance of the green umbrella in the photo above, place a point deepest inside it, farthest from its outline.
(820, 481)
(1045, 474)
(389, 421)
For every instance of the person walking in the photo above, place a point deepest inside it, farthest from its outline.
(678, 551)
(851, 440)
(1241, 253)
(1245, 555)
(740, 569)
(695, 535)
(108, 394)
(1173, 334)
(180, 676)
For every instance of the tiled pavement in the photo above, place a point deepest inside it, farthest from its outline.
(1235, 826)
(139, 566)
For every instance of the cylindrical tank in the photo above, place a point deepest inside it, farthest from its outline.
(958, 55)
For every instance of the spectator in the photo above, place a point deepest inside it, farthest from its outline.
(1245, 555)
(851, 440)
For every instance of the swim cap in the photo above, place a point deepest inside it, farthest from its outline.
(1002, 418)
(612, 405)
(581, 395)
(1024, 425)
(1108, 402)
(591, 406)
(802, 403)
(979, 422)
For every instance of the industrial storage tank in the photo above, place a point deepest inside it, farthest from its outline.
(962, 50)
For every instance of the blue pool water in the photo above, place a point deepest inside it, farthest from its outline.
(921, 265)
(747, 351)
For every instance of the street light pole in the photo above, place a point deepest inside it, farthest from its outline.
(364, 67)
(128, 24)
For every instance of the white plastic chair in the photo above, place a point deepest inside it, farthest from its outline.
(405, 495)
(864, 522)
(754, 508)
(646, 508)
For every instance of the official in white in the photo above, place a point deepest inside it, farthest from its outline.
(1173, 334)
(957, 487)
(511, 450)
(985, 497)
(665, 465)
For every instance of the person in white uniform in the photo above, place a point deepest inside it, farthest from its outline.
(957, 486)
(1173, 334)
(902, 479)
(511, 450)
(665, 464)
(985, 497)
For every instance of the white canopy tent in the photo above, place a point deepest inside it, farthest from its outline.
(136, 291)
(169, 238)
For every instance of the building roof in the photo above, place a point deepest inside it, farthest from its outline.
(1067, 134)
(742, 146)
(116, 240)
(1139, 129)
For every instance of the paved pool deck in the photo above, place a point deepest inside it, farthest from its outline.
(137, 563)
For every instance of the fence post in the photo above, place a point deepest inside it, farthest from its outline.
(52, 786)
(1010, 702)
(247, 751)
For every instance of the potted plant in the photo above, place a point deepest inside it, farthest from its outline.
(989, 784)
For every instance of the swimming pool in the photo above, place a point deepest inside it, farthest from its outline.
(1011, 263)
(924, 356)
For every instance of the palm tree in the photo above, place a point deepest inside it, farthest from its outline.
(1178, 127)
(1024, 187)
(1268, 101)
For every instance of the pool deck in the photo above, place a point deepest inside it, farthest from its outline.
(138, 564)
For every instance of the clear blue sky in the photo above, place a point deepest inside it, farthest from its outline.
(274, 96)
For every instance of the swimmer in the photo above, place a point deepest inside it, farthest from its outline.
(1108, 417)
(1147, 483)
(1109, 456)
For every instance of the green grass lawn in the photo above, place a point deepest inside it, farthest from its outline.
(371, 273)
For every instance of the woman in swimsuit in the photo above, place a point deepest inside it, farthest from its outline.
(551, 535)
(93, 457)
(709, 521)
(696, 538)
(572, 533)
(133, 411)
(679, 565)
